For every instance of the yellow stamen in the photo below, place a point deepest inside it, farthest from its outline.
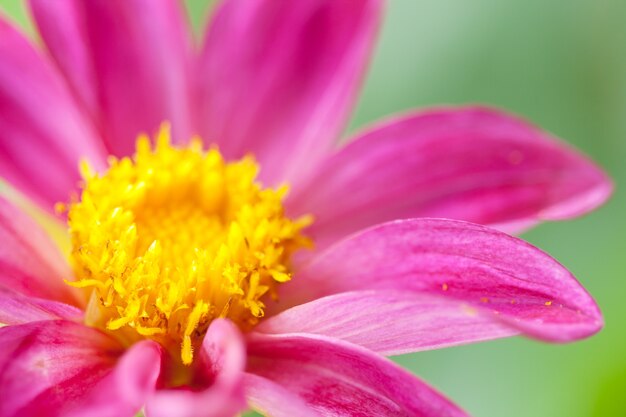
(173, 238)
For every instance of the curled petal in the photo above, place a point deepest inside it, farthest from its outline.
(285, 91)
(334, 378)
(43, 132)
(49, 367)
(474, 164)
(485, 270)
(30, 263)
(223, 354)
(124, 391)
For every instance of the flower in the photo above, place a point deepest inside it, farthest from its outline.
(190, 288)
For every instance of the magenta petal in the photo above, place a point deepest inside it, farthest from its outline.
(43, 133)
(336, 378)
(48, 367)
(278, 78)
(390, 322)
(487, 270)
(223, 352)
(474, 164)
(30, 263)
(271, 398)
(61, 27)
(124, 391)
(134, 55)
(18, 309)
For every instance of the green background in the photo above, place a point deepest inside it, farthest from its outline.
(562, 64)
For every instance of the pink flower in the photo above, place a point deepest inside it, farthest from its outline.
(147, 319)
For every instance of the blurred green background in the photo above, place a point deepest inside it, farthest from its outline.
(561, 64)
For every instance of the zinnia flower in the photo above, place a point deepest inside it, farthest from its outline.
(242, 259)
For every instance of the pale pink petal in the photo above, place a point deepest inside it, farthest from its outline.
(48, 367)
(18, 309)
(487, 270)
(278, 78)
(474, 164)
(62, 28)
(390, 322)
(336, 378)
(224, 357)
(30, 263)
(134, 55)
(124, 391)
(43, 133)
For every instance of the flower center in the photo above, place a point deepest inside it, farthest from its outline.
(173, 238)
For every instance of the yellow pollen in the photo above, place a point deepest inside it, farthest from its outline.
(172, 238)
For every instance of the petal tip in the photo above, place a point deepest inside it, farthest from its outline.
(583, 203)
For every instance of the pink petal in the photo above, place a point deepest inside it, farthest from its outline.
(124, 391)
(336, 378)
(390, 322)
(473, 164)
(30, 263)
(278, 78)
(48, 367)
(138, 52)
(269, 397)
(490, 272)
(223, 352)
(43, 133)
(18, 309)
(62, 28)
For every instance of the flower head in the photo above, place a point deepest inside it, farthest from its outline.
(239, 259)
(170, 240)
